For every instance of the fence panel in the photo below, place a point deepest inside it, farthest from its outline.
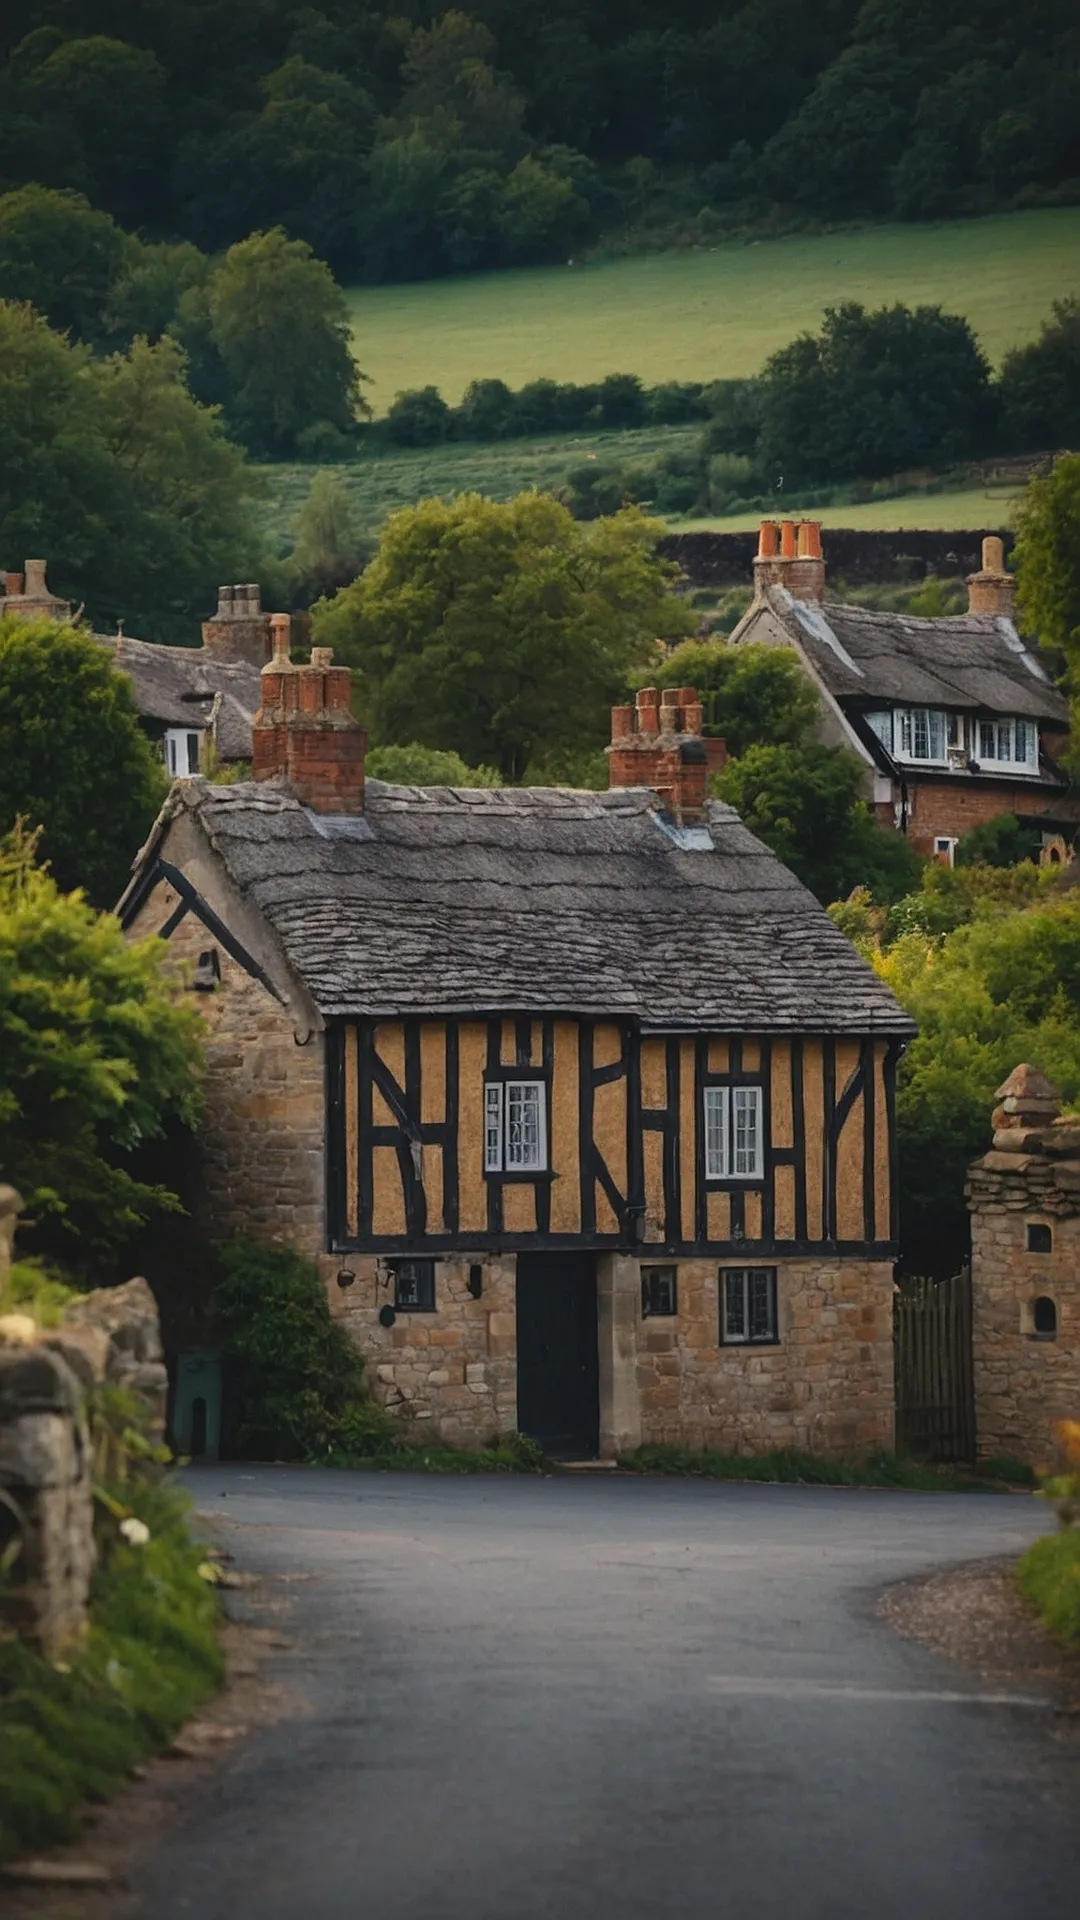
(935, 1397)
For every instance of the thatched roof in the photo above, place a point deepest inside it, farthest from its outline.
(449, 900)
(191, 687)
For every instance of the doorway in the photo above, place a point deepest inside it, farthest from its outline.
(558, 1375)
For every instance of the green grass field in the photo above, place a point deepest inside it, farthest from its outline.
(979, 508)
(390, 480)
(708, 313)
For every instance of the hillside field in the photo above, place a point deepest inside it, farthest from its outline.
(708, 313)
(981, 509)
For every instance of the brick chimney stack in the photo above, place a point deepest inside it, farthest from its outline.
(992, 590)
(657, 743)
(790, 556)
(239, 630)
(304, 731)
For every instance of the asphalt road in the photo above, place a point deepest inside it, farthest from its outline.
(605, 1699)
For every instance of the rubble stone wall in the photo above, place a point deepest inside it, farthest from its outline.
(1023, 1192)
(827, 1385)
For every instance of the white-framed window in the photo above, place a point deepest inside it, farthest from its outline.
(945, 849)
(748, 1314)
(181, 752)
(1011, 743)
(733, 1119)
(921, 734)
(881, 724)
(515, 1126)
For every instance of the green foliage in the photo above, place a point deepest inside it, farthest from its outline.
(416, 766)
(873, 393)
(511, 1453)
(280, 325)
(754, 696)
(488, 629)
(1049, 1577)
(794, 1467)
(419, 417)
(97, 1052)
(74, 760)
(1002, 987)
(1039, 386)
(329, 549)
(1047, 561)
(29, 1288)
(62, 256)
(297, 1379)
(1001, 842)
(73, 1730)
(113, 467)
(804, 801)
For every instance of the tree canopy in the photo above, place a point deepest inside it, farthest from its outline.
(98, 1052)
(111, 467)
(753, 695)
(488, 628)
(1047, 561)
(75, 764)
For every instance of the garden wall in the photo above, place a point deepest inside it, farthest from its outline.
(859, 557)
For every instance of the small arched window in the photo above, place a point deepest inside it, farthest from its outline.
(1044, 1317)
(1040, 1238)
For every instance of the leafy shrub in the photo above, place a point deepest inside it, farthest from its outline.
(1049, 1573)
(298, 1380)
(416, 766)
(419, 417)
(1001, 842)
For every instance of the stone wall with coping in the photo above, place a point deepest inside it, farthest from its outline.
(1025, 1380)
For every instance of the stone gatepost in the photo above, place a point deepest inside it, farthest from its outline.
(1024, 1197)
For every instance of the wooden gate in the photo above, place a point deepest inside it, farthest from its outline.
(935, 1396)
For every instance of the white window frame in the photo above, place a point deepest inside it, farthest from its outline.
(881, 724)
(997, 738)
(945, 843)
(932, 723)
(181, 744)
(741, 1284)
(500, 1154)
(733, 1150)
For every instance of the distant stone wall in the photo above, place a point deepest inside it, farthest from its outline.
(1023, 1194)
(861, 558)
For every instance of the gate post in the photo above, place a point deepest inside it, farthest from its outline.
(618, 1303)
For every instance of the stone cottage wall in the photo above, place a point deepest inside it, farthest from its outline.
(260, 1149)
(1025, 1380)
(827, 1385)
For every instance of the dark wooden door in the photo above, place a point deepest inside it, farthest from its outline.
(935, 1387)
(558, 1386)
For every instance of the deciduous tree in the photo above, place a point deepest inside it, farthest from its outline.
(489, 628)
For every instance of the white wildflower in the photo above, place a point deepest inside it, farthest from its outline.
(135, 1532)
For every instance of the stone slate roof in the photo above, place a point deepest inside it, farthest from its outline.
(189, 687)
(450, 900)
(971, 662)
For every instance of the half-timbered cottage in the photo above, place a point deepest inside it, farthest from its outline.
(580, 1100)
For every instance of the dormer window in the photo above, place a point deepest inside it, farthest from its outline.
(181, 752)
(921, 734)
(1009, 743)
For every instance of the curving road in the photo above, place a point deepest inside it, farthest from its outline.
(600, 1698)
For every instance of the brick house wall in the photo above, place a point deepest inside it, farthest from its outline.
(952, 807)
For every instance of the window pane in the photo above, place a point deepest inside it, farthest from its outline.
(952, 726)
(920, 747)
(1004, 740)
(414, 1286)
(493, 1128)
(735, 1304)
(936, 726)
(905, 732)
(1025, 742)
(987, 740)
(747, 1118)
(523, 1124)
(760, 1303)
(881, 724)
(716, 1099)
(657, 1291)
(192, 753)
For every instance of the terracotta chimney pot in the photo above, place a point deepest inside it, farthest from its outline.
(787, 539)
(768, 540)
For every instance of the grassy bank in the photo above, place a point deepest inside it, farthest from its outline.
(982, 509)
(791, 1466)
(710, 313)
(71, 1730)
(1049, 1576)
